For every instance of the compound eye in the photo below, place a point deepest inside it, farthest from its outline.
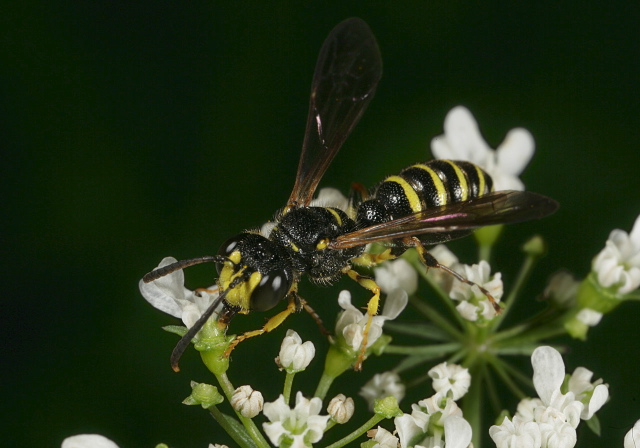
(228, 248)
(273, 287)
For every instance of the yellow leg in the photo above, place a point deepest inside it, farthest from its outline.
(271, 324)
(372, 310)
(369, 260)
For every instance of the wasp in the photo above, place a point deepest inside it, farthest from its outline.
(427, 203)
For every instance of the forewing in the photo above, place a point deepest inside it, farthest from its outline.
(501, 207)
(347, 72)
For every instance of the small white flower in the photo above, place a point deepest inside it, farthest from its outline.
(298, 427)
(589, 317)
(217, 445)
(618, 264)
(437, 405)
(247, 401)
(592, 395)
(450, 380)
(558, 434)
(516, 433)
(385, 439)
(548, 376)
(632, 438)
(526, 408)
(562, 289)
(341, 408)
(474, 305)
(430, 420)
(381, 386)
(88, 441)
(462, 141)
(294, 355)
(169, 295)
(351, 322)
(396, 274)
(331, 197)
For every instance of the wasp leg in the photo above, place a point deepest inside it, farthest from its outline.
(430, 261)
(372, 310)
(292, 307)
(369, 260)
(305, 305)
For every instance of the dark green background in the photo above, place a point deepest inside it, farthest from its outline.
(134, 131)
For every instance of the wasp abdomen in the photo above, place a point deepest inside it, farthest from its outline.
(423, 186)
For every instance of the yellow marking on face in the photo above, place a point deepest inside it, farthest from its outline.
(240, 296)
(437, 183)
(235, 257)
(294, 247)
(322, 244)
(409, 192)
(464, 185)
(335, 215)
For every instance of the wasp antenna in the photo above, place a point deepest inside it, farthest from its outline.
(183, 343)
(166, 270)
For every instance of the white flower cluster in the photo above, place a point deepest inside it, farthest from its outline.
(351, 322)
(383, 385)
(299, 427)
(617, 266)
(473, 305)
(437, 420)
(552, 419)
(462, 141)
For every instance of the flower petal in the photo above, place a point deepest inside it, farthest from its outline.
(457, 432)
(516, 151)
(548, 372)
(88, 441)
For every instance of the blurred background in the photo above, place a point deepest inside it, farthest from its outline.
(130, 132)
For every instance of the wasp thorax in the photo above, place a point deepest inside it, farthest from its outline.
(257, 272)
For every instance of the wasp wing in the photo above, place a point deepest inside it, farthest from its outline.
(347, 72)
(501, 207)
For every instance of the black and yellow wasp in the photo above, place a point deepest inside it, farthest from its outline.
(426, 203)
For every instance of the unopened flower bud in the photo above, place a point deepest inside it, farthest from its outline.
(247, 402)
(341, 408)
(294, 355)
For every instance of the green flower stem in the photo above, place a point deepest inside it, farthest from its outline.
(518, 375)
(473, 404)
(484, 252)
(228, 428)
(437, 350)
(249, 425)
(436, 317)
(358, 432)
(323, 386)
(509, 333)
(492, 392)
(288, 383)
(552, 329)
(498, 366)
(523, 275)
